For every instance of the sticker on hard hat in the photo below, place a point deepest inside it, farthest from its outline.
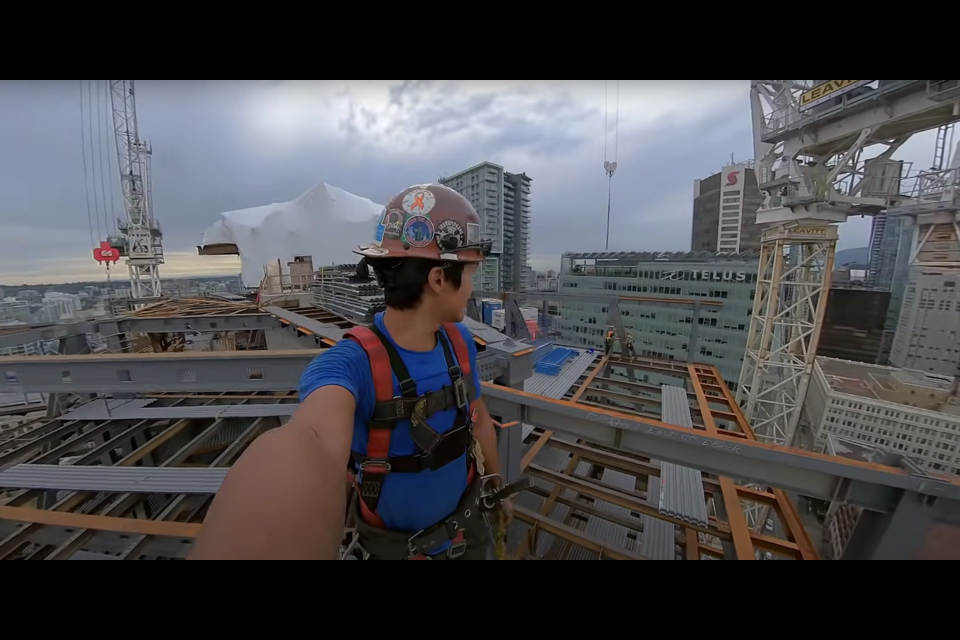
(372, 250)
(378, 236)
(418, 231)
(450, 235)
(392, 223)
(473, 234)
(419, 202)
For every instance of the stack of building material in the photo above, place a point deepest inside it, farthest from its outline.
(681, 488)
(341, 291)
(659, 538)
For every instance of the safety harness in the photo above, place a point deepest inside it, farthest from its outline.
(434, 450)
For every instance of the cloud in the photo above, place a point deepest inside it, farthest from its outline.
(223, 145)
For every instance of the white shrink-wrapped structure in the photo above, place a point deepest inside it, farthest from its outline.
(325, 222)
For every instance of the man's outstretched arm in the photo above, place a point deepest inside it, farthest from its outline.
(284, 497)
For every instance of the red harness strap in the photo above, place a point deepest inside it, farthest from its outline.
(378, 440)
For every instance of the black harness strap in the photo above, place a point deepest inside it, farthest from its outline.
(436, 401)
(436, 450)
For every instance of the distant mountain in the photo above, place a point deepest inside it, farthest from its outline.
(860, 255)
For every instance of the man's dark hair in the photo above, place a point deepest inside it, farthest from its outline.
(403, 280)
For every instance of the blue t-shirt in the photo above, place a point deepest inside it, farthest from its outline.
(408, 501)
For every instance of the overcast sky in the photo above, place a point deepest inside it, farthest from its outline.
(224, 145)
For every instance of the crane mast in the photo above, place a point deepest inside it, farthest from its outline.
(141, 232)
(810, 138)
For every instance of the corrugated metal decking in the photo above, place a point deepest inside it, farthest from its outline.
(681, 488)
(183, 480)
(659, 538)
(557, 386)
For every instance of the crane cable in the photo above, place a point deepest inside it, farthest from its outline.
(112, 160)
(86, 172)
(610, 166)
(93, 154)
(102, 161)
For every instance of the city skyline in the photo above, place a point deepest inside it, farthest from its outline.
(221, 146)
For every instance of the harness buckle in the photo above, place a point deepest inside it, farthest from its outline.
(380, 467)
(458, 546)
(460, 395)
(370, 484)
(413, 552)
(352, 550)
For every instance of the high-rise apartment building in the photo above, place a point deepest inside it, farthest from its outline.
(725, 211)
(503, 201)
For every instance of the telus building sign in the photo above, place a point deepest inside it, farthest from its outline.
(706, 275)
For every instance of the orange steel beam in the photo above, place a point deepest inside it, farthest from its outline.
(742, 544)
(100, 523)
(570, 534)
(527, 545)
(789, 517)
(523, 397)
(527, 542)
(593, 374)
(693, 544)
(534, 450)
(637, 468)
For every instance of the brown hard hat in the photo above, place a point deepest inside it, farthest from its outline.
(428, 221)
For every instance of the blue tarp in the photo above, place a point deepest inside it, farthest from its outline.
(552, 363)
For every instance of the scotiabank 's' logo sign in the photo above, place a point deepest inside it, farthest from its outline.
(732, 178)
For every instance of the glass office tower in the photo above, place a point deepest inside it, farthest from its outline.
(723, 283)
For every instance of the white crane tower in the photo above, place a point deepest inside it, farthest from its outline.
(824, 152)
(141, 231)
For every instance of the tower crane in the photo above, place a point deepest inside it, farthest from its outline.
(142, 234)
(810, 138)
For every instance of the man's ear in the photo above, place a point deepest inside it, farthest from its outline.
(436, 278)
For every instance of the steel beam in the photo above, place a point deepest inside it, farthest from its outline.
(326, 332)
(867, 485)
(192, 371)
(871, 486)
(31, 335)
(103, 542)
(188, 372)
(183, 324)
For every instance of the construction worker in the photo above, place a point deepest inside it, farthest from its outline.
(609, 339)
(628, 347)
(397, 402)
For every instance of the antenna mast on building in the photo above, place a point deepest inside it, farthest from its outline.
(610, 166)
(142, 234)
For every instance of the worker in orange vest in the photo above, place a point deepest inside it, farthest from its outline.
(608, 340)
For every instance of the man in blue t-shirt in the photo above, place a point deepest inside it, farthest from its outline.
(398, 403)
